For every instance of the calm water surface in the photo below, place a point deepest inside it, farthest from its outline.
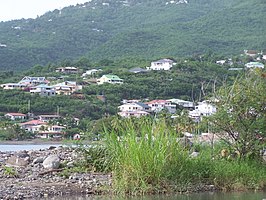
(200, 196)
(20, 147)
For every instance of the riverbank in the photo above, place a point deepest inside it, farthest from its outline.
(28, 174)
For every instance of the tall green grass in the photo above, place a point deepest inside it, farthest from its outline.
(149, 159)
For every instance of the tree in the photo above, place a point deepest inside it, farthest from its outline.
(240, 119)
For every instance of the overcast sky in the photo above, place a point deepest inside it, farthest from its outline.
(17, 9)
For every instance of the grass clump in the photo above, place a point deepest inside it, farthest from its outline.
(149, 159)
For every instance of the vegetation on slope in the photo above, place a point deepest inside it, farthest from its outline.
(145, 29)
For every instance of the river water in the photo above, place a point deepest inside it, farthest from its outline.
(20, 147)
(197, 196)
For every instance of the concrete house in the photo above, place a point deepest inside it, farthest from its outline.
(90, 72)
(50, 131)
(67, 70)
(158, 105)
(109, 78)
(11, 86)
(251, 65)
(28, 80)
(204, 108)
(15, 116)
(139, 113)
(137, 106)
(67, 87)
(32, 126)
(163, 64)
(47, 118)
(43, 90)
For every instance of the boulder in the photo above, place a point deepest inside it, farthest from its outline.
(16, 161)
(38, 160)
(51, 162)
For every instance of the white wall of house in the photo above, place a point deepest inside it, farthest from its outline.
(164, 64)
(130, 107)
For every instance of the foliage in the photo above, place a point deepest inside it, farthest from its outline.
(148, 159)
(241, 114)
(94, 31)
(10, 171)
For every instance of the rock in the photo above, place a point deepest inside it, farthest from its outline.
(52, 147)
(38, 160)
(194, 154)
(16, 161)
(51, 162)
(70, 164)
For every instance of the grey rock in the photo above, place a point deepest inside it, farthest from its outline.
(51, 162)
(38, 160)
(16, 161)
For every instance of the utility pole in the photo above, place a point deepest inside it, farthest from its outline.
(57, 111)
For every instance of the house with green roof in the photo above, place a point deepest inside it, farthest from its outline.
(109, 78)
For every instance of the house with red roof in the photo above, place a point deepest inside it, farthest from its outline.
(15, 116)
(158, 105)
(32, 126)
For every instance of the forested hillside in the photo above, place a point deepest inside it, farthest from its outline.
(104, 29)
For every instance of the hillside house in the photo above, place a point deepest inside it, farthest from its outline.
(67, 87)
(137, 70)
(43, 90)
(137, 106)
(67, 70)
(29, 81)
(158, 105)
(163, 64)
(251, 53)
(31, 126)
(90, 72)
(138, 113)
(47, 118)
(251, 65)
(185, 104)
(202, 109)
(50, 131)
(109, 78)
(15, 116)
(11, 86)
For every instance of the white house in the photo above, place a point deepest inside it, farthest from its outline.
(11, 86)
(138, 113)
(202, 109)
(163, 64)
(137, 106)
(43, 90)
(109, 78)
(47, 118)
(50, 131)
(158, 105)
(28, 80)
(32, 126)
(16, 116)
(183, 103)
(67, 70)
(90, 72)
(254, 65)
(67, 87)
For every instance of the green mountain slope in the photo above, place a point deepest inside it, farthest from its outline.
(149, 29)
